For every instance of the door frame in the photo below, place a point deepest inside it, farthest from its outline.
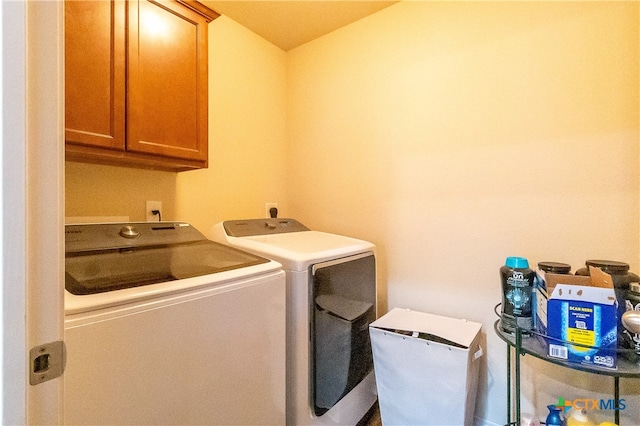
(32, 194)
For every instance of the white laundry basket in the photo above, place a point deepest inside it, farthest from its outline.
(426, 368)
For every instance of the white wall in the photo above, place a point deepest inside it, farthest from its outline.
(455, 134)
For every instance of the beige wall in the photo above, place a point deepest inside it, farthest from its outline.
(450, 134)
(247, 132)
(456, 134)
(95, 190)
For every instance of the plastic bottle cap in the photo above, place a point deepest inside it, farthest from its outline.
(517, 262)
(609, 266)
(555, 267)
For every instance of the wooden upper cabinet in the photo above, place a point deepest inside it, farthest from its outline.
(157, 51)
(94, 73)
(167, 104)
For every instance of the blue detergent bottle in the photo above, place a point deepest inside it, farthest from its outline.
(554, 418)
(517, 285)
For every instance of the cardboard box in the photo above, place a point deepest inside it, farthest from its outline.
(426, 368)
(540, 298)
(581, 310)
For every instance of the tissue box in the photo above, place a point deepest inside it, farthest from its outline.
(581, 309)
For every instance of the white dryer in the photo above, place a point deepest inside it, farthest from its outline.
(331, 299)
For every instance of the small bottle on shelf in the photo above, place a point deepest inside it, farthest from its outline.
(579, 417)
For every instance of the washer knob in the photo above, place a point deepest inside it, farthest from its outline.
(270, 225)
(129, 231)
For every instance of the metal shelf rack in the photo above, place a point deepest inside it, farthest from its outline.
(524, 342)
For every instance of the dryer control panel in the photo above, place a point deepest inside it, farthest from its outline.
(251, 227)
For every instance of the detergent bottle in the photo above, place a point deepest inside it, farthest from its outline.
(517, 286)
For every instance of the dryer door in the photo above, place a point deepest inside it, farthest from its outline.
(344, 299)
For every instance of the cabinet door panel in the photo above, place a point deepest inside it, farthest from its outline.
(94, 73)
(167, 103)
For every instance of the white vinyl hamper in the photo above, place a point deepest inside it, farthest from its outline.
(426, 368)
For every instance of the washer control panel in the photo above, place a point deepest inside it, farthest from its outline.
(110, 236)
(251, 227)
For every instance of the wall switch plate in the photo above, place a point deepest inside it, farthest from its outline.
(151, 206)
(268, 207)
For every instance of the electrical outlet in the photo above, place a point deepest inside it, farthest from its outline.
(268, 207)
(151, 206)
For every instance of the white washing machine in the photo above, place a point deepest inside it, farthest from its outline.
(331, 299)
(163, 326)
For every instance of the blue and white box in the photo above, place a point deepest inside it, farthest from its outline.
(582, 318)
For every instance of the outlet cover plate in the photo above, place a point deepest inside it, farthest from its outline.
(150, 206)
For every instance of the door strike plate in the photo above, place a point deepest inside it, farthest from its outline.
(47, 362)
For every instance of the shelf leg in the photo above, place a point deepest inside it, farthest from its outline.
(508, 384)
(616, 396)
(518, 346)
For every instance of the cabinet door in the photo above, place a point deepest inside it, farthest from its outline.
(94, 73)
(167, 76)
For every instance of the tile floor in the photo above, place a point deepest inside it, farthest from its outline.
(374, 420)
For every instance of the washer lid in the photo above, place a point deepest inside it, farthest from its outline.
(108, 257)
(91, 273)
(172, 290)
